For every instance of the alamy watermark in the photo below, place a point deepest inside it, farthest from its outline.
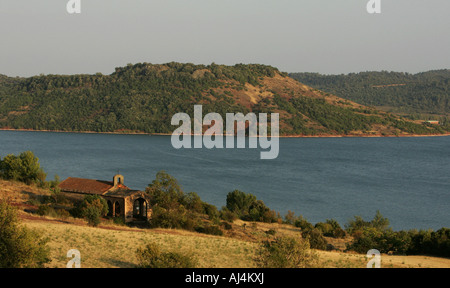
(76, 258)
(214, 136)
(374, 7)
(375, 262)
(74, 6)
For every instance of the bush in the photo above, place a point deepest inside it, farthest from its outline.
(24, 168)
(92, 208)
(248, 208)
(227, 226)
(379, 223)
(209, 229)
(367, 239)
(118, 221)
(227, 215)
(211, 211)
(63, 214)
(46, 210)
(173, 209)
(330, 228)
(286, 252)
(19, 246)
(239, 202)
(92, 213)
(152, 257)
(303, 224)
(325, 228)
(316, 239)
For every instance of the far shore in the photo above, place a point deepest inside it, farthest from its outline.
(283, 136)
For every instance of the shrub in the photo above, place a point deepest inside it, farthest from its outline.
(24, 168)
(165, 192)
(379, 223)
(209, 229)
(227, 215)
(239, 202)
(367, 239)
(286, 252)
(290, 218)
(330, 228)
(339, 233)
(92, 213)
(19, 246)
(118, 221)
(211, 211)
(63, 214)
(248, 208)
(46, 210)
(173, 209)
(170, 218)
(303, 224)
(325, 228)
(316, 239)
(227, 226)
(193, 202)
(92, 208)
(152, 257)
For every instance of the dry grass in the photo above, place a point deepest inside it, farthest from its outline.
(101, 247)
(349, 260)
(114, 246)
(104, 248)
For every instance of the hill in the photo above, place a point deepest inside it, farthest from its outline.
(142, 98)
(424, 94)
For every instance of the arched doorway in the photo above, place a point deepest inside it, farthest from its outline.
(140, 208)
(110, 208)
(117, 210)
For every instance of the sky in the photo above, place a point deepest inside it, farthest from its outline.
(324, 36)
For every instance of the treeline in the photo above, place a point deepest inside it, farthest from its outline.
(172, 208)
(417, 94)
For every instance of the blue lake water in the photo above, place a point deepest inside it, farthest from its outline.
(407, 179)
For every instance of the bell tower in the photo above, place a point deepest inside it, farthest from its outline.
(118, 180)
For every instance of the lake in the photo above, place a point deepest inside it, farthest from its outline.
(407, 179)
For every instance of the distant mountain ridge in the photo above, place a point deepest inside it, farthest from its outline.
(426, 93)
(142, 98)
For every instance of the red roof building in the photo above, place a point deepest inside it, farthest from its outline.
(131, 205)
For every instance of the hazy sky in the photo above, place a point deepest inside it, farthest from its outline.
(326, 36)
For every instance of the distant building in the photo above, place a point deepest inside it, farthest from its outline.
(131, 205)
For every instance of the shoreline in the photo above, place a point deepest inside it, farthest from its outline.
(284, 136)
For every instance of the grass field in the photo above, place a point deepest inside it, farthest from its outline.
(106, 247)
(114, 246)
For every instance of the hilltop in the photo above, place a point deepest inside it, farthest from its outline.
(142, 98)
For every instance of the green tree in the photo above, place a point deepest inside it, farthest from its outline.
(24, 168)
(92, 208)
(240, 202)
(286, 252)
(165, 191)
(19, 246)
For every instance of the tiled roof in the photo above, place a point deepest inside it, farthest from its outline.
(86, 186)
